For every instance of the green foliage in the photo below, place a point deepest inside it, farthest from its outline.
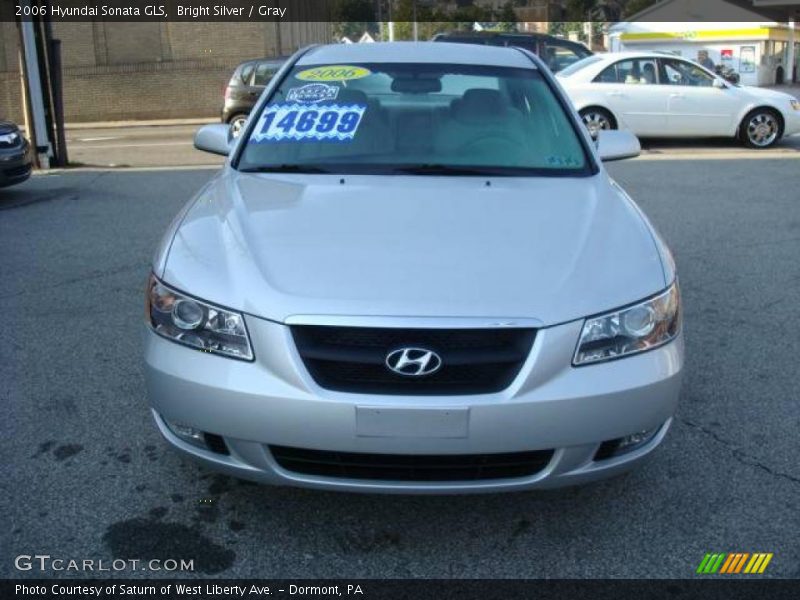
(603, 10)
(634, 6)
(352, 18)
(508, 19)
(564, 28)
(433, 19)
(353, 10)
(578, 10)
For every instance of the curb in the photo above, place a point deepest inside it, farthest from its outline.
(148, 123)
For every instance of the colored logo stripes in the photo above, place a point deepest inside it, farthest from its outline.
(735, 562)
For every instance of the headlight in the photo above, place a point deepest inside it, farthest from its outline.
(195, 323)
(9, 138)
(629, 330)
(795, 104)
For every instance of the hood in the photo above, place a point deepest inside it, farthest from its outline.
(547, 249)
(766, 94)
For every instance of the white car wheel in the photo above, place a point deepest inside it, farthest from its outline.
(760, 129)
(596, 119)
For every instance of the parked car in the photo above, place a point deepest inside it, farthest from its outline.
(413, 274)
(556, 52)
(16, 156)
(245, 86)
(656, 95)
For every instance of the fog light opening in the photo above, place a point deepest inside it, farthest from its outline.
(623, 445)
(196, 437)
(216, 443)
(186, 432)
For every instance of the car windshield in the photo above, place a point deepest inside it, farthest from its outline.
(579, 65)
(414, 119)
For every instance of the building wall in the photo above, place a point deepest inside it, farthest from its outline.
(741, 42)
(761, 73)
(122, 71)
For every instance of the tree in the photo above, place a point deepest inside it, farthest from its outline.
(433, 18)
(606, 10)
(564, 28)
(578, 10)
(633, 7)
(352, 18)
(508, 19)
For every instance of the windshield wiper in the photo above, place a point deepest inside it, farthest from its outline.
(285, 168)
(439, 169)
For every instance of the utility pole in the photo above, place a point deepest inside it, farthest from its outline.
(39, 134)
(391, 23)
(790, 62)
(379, 15)
(416, 29)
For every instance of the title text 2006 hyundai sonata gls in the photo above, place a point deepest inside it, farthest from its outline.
(413, 274)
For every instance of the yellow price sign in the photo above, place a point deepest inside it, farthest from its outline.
(333, 73)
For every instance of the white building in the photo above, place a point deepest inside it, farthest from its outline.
(762, 52)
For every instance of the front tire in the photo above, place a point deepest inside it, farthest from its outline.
(761, 128)
(596, 119)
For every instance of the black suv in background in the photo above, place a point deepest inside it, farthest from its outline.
(556, 52)
(16, 156)
(245, 86)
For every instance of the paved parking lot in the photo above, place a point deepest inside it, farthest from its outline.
(87, 476)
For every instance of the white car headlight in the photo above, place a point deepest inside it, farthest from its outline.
(630, 330)
(795, 104)
(195, 323)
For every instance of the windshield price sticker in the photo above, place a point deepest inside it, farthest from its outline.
(333, 73)
(301, 122)
(562, 161)
(313, 92)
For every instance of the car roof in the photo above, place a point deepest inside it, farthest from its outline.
(276, 61)
(508, 36)
(609, 56)
(417, 52)
(502, 34)
(492, 34)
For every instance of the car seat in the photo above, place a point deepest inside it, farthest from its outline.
(483, 126)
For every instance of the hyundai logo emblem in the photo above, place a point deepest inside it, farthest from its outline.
(413, 362)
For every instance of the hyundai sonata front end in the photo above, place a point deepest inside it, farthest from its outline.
(414, 275)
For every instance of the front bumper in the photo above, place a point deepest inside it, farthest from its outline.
(792, 122)
(16, 165)
(549, 406)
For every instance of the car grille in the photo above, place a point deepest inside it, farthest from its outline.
(353, 359)
(411, 467)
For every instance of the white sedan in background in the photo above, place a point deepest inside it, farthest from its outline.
(660, 95)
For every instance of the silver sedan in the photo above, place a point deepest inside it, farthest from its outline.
(414, 275)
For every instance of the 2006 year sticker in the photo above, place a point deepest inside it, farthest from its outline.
(301, 122)
(333, 73)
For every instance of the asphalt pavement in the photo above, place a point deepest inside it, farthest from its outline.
(86, 475)
(136, 146)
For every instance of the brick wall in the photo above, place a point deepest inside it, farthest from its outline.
(128, 71)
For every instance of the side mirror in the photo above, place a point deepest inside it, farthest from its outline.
(214, 138)
(719, 83)
(616, 145)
